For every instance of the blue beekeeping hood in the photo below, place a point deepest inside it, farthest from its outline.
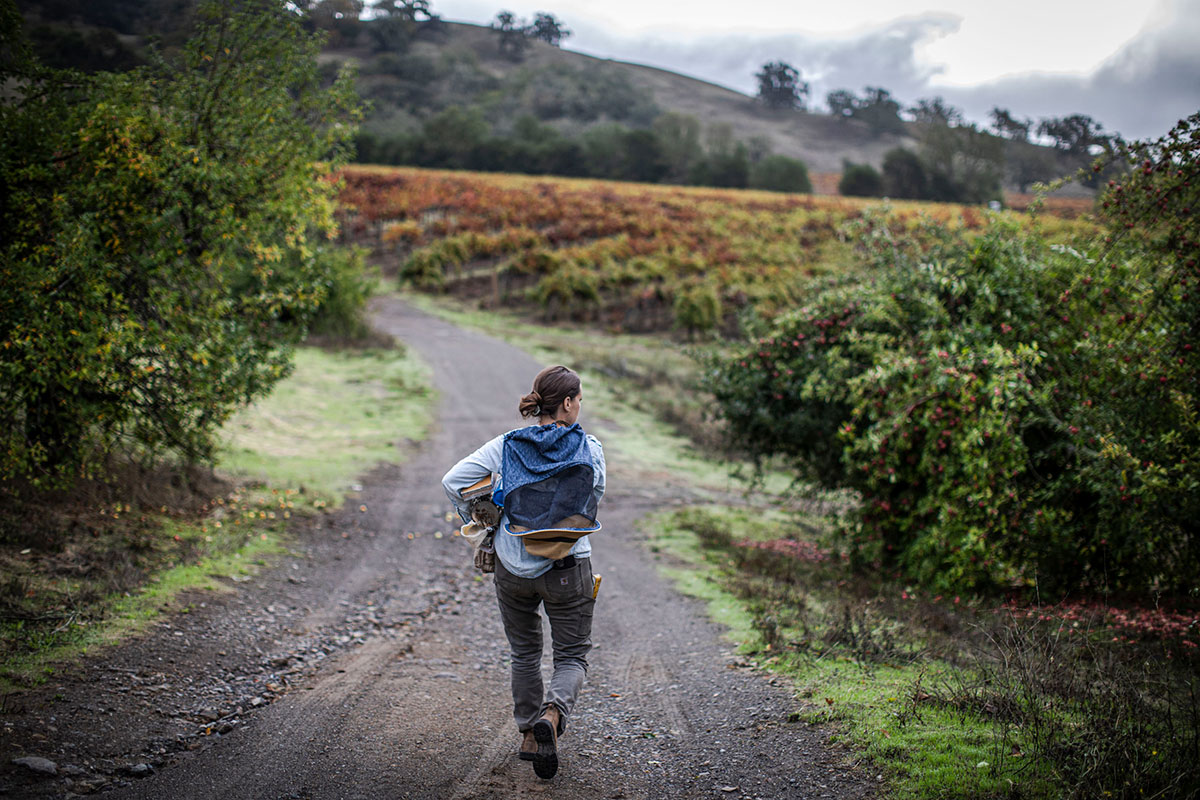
(547, 474)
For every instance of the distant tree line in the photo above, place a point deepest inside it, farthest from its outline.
(959, 161)
(514, 34)
(675, 148)
(549, 120)
(954, 160)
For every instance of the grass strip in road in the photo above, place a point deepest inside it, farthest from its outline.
(330, 421)
(110, 567)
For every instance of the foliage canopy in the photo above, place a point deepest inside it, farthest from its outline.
(163, 236)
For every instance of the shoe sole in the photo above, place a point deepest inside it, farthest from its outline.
(545, 760)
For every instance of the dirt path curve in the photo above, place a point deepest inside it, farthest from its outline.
(371, 665)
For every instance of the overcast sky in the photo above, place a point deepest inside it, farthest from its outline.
(1134, 65)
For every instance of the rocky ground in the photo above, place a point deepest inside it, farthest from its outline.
(368, 664)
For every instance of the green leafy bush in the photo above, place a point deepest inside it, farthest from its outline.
(860, 180)
(780, 174)
(160, 233)
(697, 308)
(347, 287)
(1013, 413)
(569, 291)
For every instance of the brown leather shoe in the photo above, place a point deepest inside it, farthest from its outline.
(545, 731)
(529, 746)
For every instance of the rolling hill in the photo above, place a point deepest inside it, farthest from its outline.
(419, 71)
(820, 140)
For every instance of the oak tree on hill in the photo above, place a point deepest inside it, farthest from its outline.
(1008, 126)
(341, 18)
(879, 111)
(399, 21)
(935, 111)
(876, 108)
(1075, 134)
(841, 103)
(547, 28)
(511, 30)
(779, 85)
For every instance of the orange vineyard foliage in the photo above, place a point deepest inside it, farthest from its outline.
(1065, 207)
(633, 257)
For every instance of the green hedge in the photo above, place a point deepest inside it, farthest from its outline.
(1012, 413)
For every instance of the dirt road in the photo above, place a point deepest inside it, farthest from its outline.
(371, 665)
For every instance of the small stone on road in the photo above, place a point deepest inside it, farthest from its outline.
(43, 766)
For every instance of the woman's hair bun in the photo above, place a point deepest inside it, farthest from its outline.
(530, 405)
(551, 386)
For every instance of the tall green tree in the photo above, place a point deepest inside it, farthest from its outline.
(679, 138)
(1008, 126)
(964, 164)
(546, 27)
(163, 232)
(780, 86)
(904, 175)
(1075, 134)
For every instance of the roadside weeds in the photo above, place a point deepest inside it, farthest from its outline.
(946, 696)
(113, 559)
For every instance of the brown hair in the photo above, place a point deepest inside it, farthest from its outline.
(551, 386)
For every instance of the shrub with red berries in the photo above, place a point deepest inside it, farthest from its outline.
(1011, 412)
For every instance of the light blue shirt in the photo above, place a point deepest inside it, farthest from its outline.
(510, 549)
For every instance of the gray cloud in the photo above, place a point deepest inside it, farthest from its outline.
(1140, 91)
(878, 56)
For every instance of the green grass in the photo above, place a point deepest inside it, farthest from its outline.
(334, 417)
(294, 452)
(922, 750)
(36, 655)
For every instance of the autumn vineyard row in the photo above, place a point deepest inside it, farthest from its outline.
(632, 257)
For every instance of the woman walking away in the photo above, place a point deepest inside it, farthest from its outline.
(551, 479)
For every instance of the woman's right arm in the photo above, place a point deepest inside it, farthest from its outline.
(480, 464)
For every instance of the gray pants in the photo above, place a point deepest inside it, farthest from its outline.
(567, 597)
